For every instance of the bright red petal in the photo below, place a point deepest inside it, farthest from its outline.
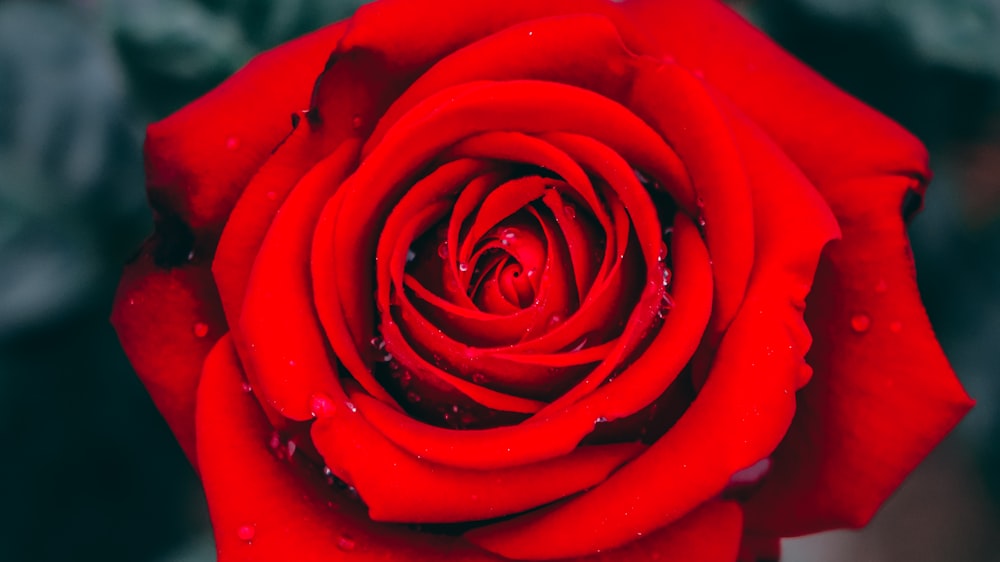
(829, 134)
(265, 509)
(883, 394)
(199, 159)
(167, 320)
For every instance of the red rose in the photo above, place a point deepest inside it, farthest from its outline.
(529, 279)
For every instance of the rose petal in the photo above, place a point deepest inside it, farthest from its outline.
(399, 487)
(883, 394)
(199, 159)
(287, 367)
(829, 134)
(167, 320)
(286, 509)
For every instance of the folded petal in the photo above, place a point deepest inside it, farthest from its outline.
(199, 159)
(167, 319)
(882, 394)
(266, 509)
(829, 134)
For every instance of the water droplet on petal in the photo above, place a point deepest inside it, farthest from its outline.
(478, 378)
(463, 267)
(667, 276)
(246, 387)
(601, 419)
(290, 447)
(570, 212)
(752, 474)
(443, 250)
(351, 407)
(410, 256)
(321, 405)
(346, 543)
(200, 329)
(413, 396)
(860, 323)
(246, 532)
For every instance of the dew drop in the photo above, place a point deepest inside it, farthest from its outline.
(641, 177)
(601, 419)
(290, 447)
(662, 255)
(377, 343)
(321, 405)
(478, 378)
(246, 532)
(667, 276)
(246, 387)
(666, 304)
(346, 543)
(410, 256)
(463, 267)
(351, 407)
(860, 323)
(752, 474)
(232, 143)
(570, 212)
(413, 397)
(443, 250)
(200, 329)
(701, 221)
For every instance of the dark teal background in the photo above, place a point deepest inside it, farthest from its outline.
(89, 470)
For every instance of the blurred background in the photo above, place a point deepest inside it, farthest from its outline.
(91, 471)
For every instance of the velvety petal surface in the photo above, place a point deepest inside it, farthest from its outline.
(882, 395)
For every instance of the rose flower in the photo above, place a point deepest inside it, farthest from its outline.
(535, 280)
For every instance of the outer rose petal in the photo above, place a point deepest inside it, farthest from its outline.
(290, 518)
(829, 134)
(199, 159)
(289, 514)
(883, 394)
(167, 321)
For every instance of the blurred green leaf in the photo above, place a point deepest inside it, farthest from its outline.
(961, 34)
(68, 164)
